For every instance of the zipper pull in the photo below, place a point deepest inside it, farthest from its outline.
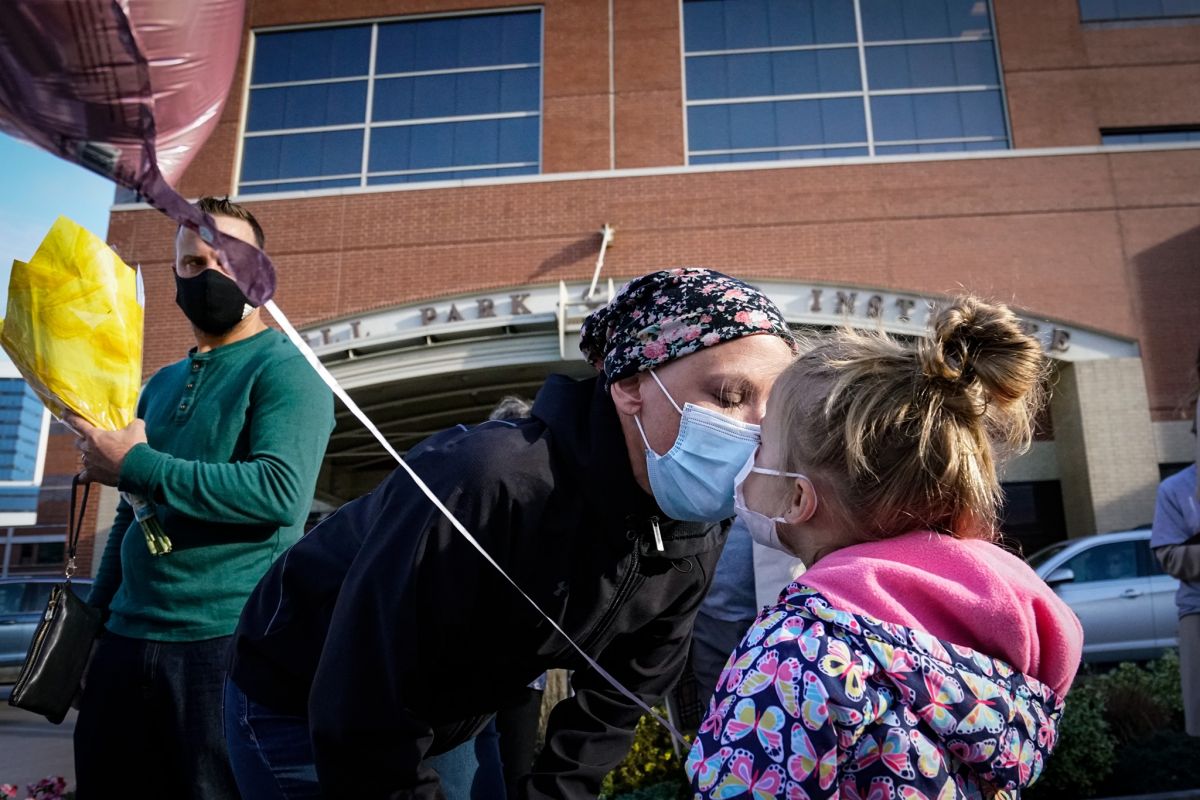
(658, 542)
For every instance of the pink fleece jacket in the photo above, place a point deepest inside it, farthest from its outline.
(967, 591)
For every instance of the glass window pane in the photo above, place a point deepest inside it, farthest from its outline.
(703, 25)
(455, 42)
(937, 116)
(982, 114)
(816, 71)
(765, 74)
(1139, 9)
(747, 24)
(302, 155)
(833, 21)
(895, 149)
(390, 149)
(1116, 561)
(932, 65)
(519, 140)
(1120, 138)
(433, 96)
(521, 38)
(454, 144)
(460, 94)
(307, 106)
(298, 186)
(749, 75)
(521, 89)
(999, 144)
(311, 54)
(719, 158)
(477, 142)
(843, 120)
(723, 25)
(1181, 8)
(752, 125)
(708, 128)
(895, 20)
(707, 77)
(1097, 9)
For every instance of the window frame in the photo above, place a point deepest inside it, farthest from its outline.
(364, 174)
(865, 93)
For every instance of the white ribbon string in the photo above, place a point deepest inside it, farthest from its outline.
(298, 340)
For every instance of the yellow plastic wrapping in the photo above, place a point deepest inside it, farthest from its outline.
(74, 327)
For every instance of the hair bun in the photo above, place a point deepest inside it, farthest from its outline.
(976, 342)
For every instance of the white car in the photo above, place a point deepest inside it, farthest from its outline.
(1113, 583)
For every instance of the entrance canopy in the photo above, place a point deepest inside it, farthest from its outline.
(420, 368)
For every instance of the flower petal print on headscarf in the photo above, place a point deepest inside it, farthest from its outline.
(671, 313)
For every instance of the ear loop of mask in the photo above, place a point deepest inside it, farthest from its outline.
(637, 417)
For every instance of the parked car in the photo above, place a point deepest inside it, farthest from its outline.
(22, 603)
(1113, 583)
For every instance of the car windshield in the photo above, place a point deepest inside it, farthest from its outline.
(1045, 554)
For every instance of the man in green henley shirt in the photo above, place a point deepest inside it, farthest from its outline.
(226, 448)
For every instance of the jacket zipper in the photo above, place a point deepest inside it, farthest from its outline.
(625, 587)
(658, 542)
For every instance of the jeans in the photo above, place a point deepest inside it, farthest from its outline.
(270, 752)
(472, 770)
(273, 760)
(518, 729)
(150, 721)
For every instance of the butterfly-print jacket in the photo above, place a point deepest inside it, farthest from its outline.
(820, 703)
(391, 632)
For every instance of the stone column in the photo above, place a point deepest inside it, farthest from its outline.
(1105, 445)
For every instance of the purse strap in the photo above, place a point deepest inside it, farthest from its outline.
(75, 524)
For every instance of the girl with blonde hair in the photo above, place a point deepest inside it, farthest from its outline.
(915, 658)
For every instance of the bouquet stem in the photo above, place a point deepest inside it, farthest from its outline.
(157, 541)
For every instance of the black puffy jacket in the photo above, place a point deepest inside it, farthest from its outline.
(397, 639)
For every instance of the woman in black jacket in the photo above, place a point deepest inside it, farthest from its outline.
(383, 637)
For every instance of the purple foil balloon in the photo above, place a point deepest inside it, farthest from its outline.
(129, 89)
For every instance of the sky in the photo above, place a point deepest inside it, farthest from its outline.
(37, 188)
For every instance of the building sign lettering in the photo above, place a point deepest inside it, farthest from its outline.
(819, 306)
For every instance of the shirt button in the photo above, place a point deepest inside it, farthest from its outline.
(191, 386)
(195, 366)
(183, 406)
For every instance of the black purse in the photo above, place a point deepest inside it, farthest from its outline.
(63, 641)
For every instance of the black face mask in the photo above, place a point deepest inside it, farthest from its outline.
(213, 302)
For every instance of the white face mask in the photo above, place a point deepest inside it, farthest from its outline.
(763, 529)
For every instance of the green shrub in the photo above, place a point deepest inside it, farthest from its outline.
(1142, 699)
(651, 771)
(1084, 756)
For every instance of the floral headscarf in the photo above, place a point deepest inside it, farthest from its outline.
(668, 314)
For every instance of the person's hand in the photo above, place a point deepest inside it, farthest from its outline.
(103, 452)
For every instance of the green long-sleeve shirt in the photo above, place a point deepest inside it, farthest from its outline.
(235, 438)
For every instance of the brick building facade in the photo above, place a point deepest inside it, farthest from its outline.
(1062, 218)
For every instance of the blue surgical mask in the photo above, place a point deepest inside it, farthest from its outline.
(693, 481)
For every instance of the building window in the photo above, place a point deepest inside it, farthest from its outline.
(1149, 136)
(785, 79)
(21, 419)
(1110, 10)
(394, 102)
